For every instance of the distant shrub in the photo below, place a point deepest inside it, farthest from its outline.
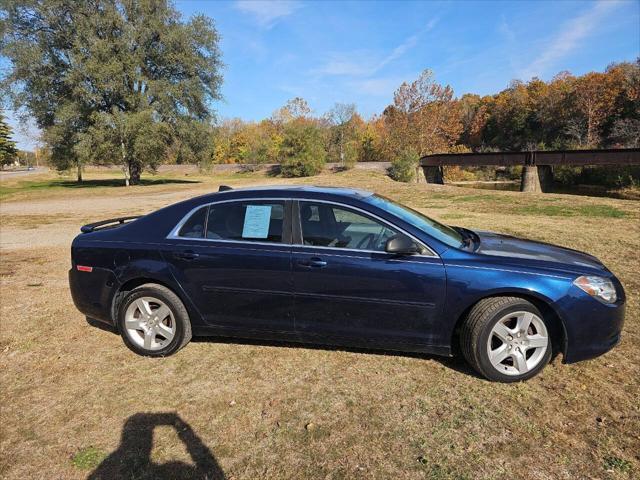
(303, 152)
(454, 173)
(609, 176)
(567, 174)
(350, 155)
(403, 167)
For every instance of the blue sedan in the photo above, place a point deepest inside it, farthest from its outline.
(342, 267)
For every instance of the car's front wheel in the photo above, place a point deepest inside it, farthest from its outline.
(506, 339)
(153, 321)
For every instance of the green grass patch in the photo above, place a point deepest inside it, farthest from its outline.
(60, 184)
(476, 198)
(617, 464)
(605, 211)
(88, 458)
(486, 198)
(435, 471)
(454, 216)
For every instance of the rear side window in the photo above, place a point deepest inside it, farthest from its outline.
(258, 221)
(194, 226)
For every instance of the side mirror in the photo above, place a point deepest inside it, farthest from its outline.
(401, 245)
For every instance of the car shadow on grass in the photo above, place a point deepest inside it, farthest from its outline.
(132, 458)
(456, 362)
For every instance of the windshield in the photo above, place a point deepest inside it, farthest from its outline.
(441, 232)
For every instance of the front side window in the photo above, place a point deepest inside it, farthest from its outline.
(259, 221)
(327, 225)
(444, 233)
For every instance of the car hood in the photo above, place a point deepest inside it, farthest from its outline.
(499, 245)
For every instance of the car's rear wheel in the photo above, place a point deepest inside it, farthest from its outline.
(506, 339)
(153, 321)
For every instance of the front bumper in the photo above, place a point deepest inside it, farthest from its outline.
(592, 328)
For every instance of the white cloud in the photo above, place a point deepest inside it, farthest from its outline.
(267, 12)
(570, 38)
(353, 64)
(379, 87)
(361, 64)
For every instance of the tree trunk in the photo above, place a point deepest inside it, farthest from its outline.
(126, 175)
(79, 173)
(134, 173)
(125, 165)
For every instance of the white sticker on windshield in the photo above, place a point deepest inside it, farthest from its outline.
(256, 221)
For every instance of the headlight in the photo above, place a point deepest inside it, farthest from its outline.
(601, 288)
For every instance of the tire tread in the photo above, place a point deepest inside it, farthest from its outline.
(477, 319)
(177, 304)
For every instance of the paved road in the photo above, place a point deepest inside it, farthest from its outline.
(20, 173)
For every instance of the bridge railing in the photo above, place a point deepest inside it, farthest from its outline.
(537, 164)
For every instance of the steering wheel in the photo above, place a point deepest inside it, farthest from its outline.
(365, 241)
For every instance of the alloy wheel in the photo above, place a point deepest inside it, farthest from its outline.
(149, 323)
(517, 343)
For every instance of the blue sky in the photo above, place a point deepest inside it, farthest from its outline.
(360, 52)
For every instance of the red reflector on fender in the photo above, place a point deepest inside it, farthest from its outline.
(83, 268)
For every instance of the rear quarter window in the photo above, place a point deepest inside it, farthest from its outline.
(194, 226)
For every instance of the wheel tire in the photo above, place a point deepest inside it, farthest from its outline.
(477, 331)
(179, 317)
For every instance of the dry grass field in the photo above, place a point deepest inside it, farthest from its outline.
(75, 403)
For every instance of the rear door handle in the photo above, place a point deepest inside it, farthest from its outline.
(186, 255)
(313, 263)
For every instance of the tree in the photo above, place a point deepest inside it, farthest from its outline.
(626, 133)
(370, 144)
(303, 152)
(404, 166)
(623, 128)
(295, 109)
(345, 125)
(594, 101)
(111, 81)
(265, 143)
(593, 110)
(423, 117)
(8, 149)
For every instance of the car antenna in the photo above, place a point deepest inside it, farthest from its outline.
(224, 188)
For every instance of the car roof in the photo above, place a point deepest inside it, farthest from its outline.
(298, 189)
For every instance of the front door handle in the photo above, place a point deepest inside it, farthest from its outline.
(313, 263)
(186, 255)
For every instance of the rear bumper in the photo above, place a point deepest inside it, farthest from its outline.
(92, 292)
(592, 328)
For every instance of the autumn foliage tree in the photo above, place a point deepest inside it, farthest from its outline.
(344, 134)
(424, 117)
(594, 110)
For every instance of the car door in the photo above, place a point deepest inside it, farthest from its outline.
(233, 259)
(349, 290)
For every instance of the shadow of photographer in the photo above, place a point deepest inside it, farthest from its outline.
(132, 458)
